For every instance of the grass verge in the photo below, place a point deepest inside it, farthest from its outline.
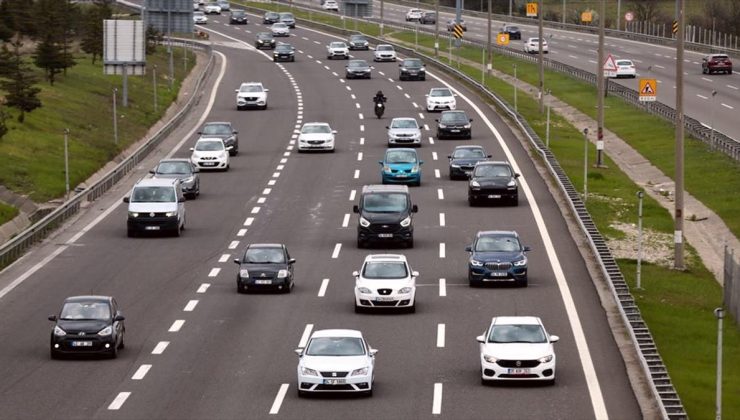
(7, 213)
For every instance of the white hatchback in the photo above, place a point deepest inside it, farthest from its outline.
(517, 348)
(413, 14)
(439, 99)
(385, 281)
(210, 153)
(533, 46)
(625, 68)
(316, 136)
(331, 5)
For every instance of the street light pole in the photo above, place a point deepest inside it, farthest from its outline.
(601, 86)
(66, 164)
(436, 28)
(541, 58)
(585, 164)
(720, 314)
(619, 13)
(678, 261)
(711, 120)
(547, 127)
(154, 83)
(115, 118)
(382, 4)
(515, 89)
(640, 195)
(563, 18)
(489, 60)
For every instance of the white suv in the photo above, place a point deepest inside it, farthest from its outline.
(385, 281)
(251, 94)
(337, 49)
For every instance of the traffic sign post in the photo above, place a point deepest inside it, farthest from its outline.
(586, 17)
(531, 9)
(502, 38)
(648, 90)
(610, 67)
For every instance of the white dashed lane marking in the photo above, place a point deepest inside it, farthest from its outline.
(440, 335)
(436, 173)
(141, 372)
(442, 250)
(203, 287)
(440, 194)
(224, 258)
(345, 221)
(119, 400)
(357, 174)
(442, 219)
(214, 272)
(190, 306)
(322, 289)
(335, 253)
(241, 232)
(305, 336)
(233, 245)
(176, 325)
(279, 399)
(160, 347)
(249, 221)
(359, 155)
(437, 399)
(442, 287)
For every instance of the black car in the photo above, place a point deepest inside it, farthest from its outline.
(264, 40)
(288, 19)
(493, 181)
(451, 25)
(464, 158)
(182, 169)
(358, 42)
(358, 69)
(265, 267)
(87, 325)
(513, 31)
(238, 17)
(283, 52)
(497, 257)
(411, 68)
(271, 17)
(428, 18)
(385, 215)
(453, 124)
(224, 131)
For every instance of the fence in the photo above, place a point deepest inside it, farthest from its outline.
(732, 284)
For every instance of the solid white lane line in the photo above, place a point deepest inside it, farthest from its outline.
(160, 347)
(119, 400)
(214, 272)
(441, 250)
(357, 173)
(224, 258)
(203, 287)
(352, 195)
(233, 244)
(337, 248)
(441, 219)
(305, 336)
(190, 306)
(359, 155)
(436, 173)
(727, 106)
(440, 335)
(241, 232)
(141, 372)
(437, 400)
(442, 287)
(440, 194)
(176, 325)
(324, 285)
(249, 221)
(279, 399)
(255, 210)
(434, 155)
(345, 221)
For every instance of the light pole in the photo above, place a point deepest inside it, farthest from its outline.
(547, 127)
(640, 195)
(115, 118)
(619, 13)
(601, 85)
(563, 11)
(489, 60)
(436, 28)
(154, 86)
(510, 5)
(719, 313)
(678, 260)
(515, 89)
(585, 164)
(382, 3)
(66, 164)
(541, 58)
(711, 119)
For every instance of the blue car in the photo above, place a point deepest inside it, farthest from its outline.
(497, 256)
(401, 166)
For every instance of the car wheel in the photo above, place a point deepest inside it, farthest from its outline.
(484, 382)
(54, 355)
(302, 394)
(410, 243)
(522, 282)
(358, 308)
(417, 183)
(113, 352)
(360, 243)
(369, 393)
(472, 202)
(178, 231)
(292, 59)
(412, 308)
(514, 201)
(470, 136)
(264, 107)
(122, 344)
(423, 78)
(551, 382)
(131, 233)
(328, 57)
(233, 152)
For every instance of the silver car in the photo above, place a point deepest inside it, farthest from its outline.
(404, 132)
(280, 29)
(384, 52)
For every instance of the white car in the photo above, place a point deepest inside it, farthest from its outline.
(212, 8)
(199, 18)
(413, 14)
(337, 49)
(336, 361)
(625, 68)
(439, 99)
(280, 29)
(533, 46)
(210, 153)
(196, 6)
(251, 94)
(385, 281)
(224, 5)
(384, 52)
(330, 5)
(517, 348)
(316, 136)
(404, 131)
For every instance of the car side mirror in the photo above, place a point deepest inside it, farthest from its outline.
(236, 90)
(355, 209)
(152, 171)
(299, 352)
(266, 90)
(554, 338)
(237, 261)
(200, 132)
(489, 156)
(480, 339)
(126, 199)
(400, 65)
(516, 175)
(196, 170)
(470, 120)
(427, 95)
(415, 274)
(191, 149)
(234, 132)
(52, 318)
(380, 162)
(356, 274)
(436, 120)
(526, 248)
(468, 248)
(414, 209)
(373, 352)
(119, 317)
(334, 131)
(421, 162)
(181, 199)
(229, 147)
(449, 156)
(387, 128)
(291, 261)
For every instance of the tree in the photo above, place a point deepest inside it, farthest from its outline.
(92, 38)
(3, 118)
(18, 80)
(54, 34)
(646, 10)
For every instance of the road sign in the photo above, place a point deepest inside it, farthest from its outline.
(457, 31)
(675, 26)
(586, 17)
(502, 38)
(531, 9)
(648, 90)
(629, 16)
(610, 67)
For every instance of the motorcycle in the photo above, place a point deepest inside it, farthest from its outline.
(379, 109)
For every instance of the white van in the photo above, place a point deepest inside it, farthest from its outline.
(156, 205)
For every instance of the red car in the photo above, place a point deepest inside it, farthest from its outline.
(716, 63)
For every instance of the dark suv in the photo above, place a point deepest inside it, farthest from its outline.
(411, 68)
(716, 63)
(265, 266)
(385, 215)
(454, 124)
(238, 17)
(497, 256)
(492, 180)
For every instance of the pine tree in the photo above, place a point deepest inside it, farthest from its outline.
(92, 39)
(18, 80)
(53, 28)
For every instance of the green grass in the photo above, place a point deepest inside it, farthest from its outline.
(7, 213)
(82, 102)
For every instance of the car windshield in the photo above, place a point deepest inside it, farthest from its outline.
(337, 45)
(624, 63)
(286, 15)
(440, 92)
(513, 28)
(385, 270)
(264, 35)
(264, 256)
(237, 13)
(250, 88)
(384, 48)
(497, 244)
(405, 123)
(469, 153)
(492, 171)
(271, 15)
(517, 334)
(357, 63)
(316, 129)
(279, 25)
(412, 63)
(384, 202)
(400, 156)
(284, 47)
(335, 346)
(153, 195)
(719, 57)
(356, 38)
(199, 14)
(453, 117)
(80, 311)
(209, 146)
(217, 129)
(176, 168)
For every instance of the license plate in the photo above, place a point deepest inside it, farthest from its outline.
(208, 163)
(384, 299)
(334, 381)
(518, 371)
(151, 228)
(82, 344)
(499, 274)
(385, 235)
(454, 131)
(401, 175)
(494, 196)
(263, 282)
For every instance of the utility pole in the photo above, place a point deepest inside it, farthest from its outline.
(115, 118)
(169, 43)
(458, 18)
(489, 61)
(563, 11)
(600, 88)
(619, 13)
(510, 5)
(382, 3)
(640, 196)
(66, 164)
(436, 28)
(541, 58)
(678, 262)
(154, 84)
(585, 164)
(720, 314)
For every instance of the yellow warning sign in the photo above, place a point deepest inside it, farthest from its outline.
(502, 38)
(457, 31)
(531, 9)
(648, 90)
(586, 17)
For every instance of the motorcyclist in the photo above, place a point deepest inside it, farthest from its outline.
(379, 98)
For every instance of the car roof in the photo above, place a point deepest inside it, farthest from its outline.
(494, 162)
(315, 123)
(251, 83)
(88, 298)
(385, 188)
(209, 139)
(718, 55)
(400, 149)
(516, 320)
(217, 122)
(385, 257)
(336, 333)
(156, 182)
(468, 146)
(441, 88)
(175, 160)
(403, 118)
(496, 233)
(266, 245)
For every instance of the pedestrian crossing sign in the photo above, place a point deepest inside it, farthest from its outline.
(648, 90)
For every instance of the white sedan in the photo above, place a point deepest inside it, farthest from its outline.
(199, 18)
(212, 8)
(337, 49)
(517, 348)
(413, 14)
(336, 361)
(316, 136)
(280, 29)
(210, 153)
(439, 99)
(251, 94)
(533, 46)
(625, 68)
(330, 5)
(384, 52)
(385, 281)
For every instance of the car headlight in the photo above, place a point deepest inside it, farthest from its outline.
(197, 156)
(442, 125)
(259, 41)
(106, 331)
(415, 169)
(188, 180)
(59, 332)
(360, 371)
(364, 290)
(243, 273)
(489, 359)
(455, 165)
(364, 222)
(170, 214)
(282, 274)
(474, 184)
(386, 168)
(309, 371)
(520, 263)
(405, 290)
(406, 222)
(546, 359)
(466, 126)
(511, 183)
(476, 263)
(133, 214)
(404, 69)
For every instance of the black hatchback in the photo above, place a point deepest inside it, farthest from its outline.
(454, 124)
(265, 267)
(412, 68)
(238, 17)
(87, 325)
(493, 181)
(270, 17)
(513, 31)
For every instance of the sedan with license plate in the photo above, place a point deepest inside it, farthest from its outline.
(517, 348)
(464, 158)
(404, 131)
(625, 68)
(212, 8)
(384, 52)
(316, 136)
(358, 42)
(280, 29)
(385, 281)
(270, 17)
(440, 99)
(238, 17)
(413, 15)
(401, 166)
(497, 256)
(264, 40)
(454, 124)
(493, 181)
(265, 267)
(337, 49)
(87, 325)
(182, 169)
(283, 52)
(288, 19)
(199, 18)
(223, 130)
(358, 69)
(330, 5)
(533, 46)
(210, 153)
(513, 31)
(336, 360)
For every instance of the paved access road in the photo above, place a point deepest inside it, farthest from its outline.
(197, 349)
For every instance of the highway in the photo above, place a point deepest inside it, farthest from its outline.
(197, 349)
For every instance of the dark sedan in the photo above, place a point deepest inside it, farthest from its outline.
(358, 42)
(265, 267)
(87, 325)
(412, 68)
(464, 158)
(182, 169)
(358, 69)
(454, 124)
(497, 257)
(270, 17)
(238, 17)
(493, 181)
(513, 31)
(283, 52)
(428, 18)
(224, 131)
(264, 40)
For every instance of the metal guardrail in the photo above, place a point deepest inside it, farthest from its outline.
(17, 246)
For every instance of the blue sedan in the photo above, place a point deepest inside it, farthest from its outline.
(401, 166)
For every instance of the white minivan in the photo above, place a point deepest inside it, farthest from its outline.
(156, 205)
